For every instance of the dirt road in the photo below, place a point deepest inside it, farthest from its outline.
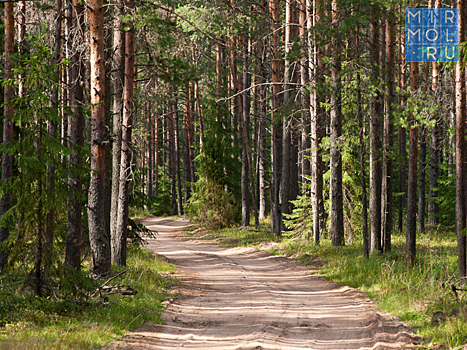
(242, 298)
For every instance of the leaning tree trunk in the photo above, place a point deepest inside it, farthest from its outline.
(125, 165)
(99, 240)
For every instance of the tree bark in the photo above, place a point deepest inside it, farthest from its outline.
(388, 134)
(410, 248)
(177, 159)
(7, 158)
(305, 143)
(75, 12)
(276, 132)
(402, 141)
(316, 68)
(108, 55)
(433, 207)
(286, 181)
(52, 124)
(118, 82)
(186, 150)
(422, 180)
(460, 150)
(100, 241)
(337, 211)
(125, 164)
(261, 107)
(375, 140)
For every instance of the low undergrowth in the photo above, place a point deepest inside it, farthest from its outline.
(29, 322)
(414, 295)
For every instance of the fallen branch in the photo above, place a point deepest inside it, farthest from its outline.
(124, 289)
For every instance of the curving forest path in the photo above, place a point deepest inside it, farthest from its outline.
(243, 298)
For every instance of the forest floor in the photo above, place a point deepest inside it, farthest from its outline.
(244, 298)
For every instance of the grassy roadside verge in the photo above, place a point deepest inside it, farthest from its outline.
(412, 295)
(28, 322)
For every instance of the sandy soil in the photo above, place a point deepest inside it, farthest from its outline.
(242, 298)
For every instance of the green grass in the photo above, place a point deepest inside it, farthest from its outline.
(136, 213)
(29, 322)
(234, 235)
(413, 295)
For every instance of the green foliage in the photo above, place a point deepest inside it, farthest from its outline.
(29, 322)
(162, 202)
(240, 236)
(34, 191)
(300, 222)
(447, 195)
(212, 206)
(136, 230)
(216, 194)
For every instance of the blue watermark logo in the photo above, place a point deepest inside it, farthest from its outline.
(432, 35)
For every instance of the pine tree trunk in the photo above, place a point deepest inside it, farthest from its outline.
(260, 98)
(421, 180)
(52, 126)
(108, 55)
(388, 135)
(375, 140)
(100, 242)
(7, 158)
(246, 154)
(304, 101)
(337, 211)
(150, 151)
(316, 112)
(286, 180)
(177, 159)
(361, 126)
(410, 248)
(125, 163)
(21, 12)
(402, 140)
(460, 150)
(156, 154)
(38, 254)
(433, 207)
(276, 132)
(75, 14)
(118, 82)
(186, 149)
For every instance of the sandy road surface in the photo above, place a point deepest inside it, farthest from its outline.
(242, 298)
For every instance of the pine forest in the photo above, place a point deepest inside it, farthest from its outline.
(299, 120)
